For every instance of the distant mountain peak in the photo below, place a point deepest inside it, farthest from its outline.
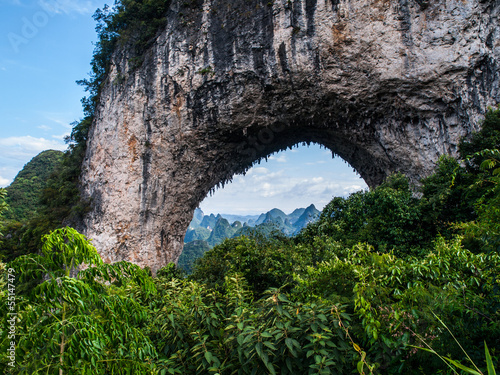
(222, 226)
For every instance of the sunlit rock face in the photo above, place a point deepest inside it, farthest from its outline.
(387, 85)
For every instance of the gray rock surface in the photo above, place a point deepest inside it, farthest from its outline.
(386, 85)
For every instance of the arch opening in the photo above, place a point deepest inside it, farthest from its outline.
(298, 176)
(284, 191)
(237, 153)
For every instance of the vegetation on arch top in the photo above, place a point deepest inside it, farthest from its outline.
(133, 23)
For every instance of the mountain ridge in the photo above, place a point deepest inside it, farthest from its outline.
(206, 231)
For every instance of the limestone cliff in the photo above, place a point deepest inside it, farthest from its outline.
(387, 85)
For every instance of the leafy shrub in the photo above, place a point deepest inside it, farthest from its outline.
(75, 325)
(388, 217)
(202, 331)
(264, 262)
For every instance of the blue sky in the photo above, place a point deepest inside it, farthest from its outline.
(46, 45)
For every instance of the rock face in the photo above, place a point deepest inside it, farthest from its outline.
(386, 85)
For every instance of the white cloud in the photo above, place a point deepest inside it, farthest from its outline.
(4, 182)
(280, 159)
(7, 173)
(316, 162)
(44, 127)
(67, 6)
(26, 147)
(257, 170)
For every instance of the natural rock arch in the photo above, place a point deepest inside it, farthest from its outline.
(386, 85)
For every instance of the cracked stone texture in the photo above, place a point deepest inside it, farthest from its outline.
(386, 85)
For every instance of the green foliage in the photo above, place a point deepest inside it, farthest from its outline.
(392, 299)
(446, 195)
(264, 262)
(487, 138)
(76, 325)
(452, 364)
(3, 208)
(202, 331)
(192, 251)
(170, 271)
(388, 217)
(482, 156)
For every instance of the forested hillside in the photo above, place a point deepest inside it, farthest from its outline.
(383, 283)
(23, 194)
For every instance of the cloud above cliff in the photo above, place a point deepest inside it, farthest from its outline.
(19, 148)
(4, 181)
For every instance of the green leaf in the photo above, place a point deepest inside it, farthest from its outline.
(296, 343)
(259, 349)
(360, 366)
(270, 367)
(269, 345)
(462, 367)
(283, 298)
(489, 361)
(240, 339)
(208, 357)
